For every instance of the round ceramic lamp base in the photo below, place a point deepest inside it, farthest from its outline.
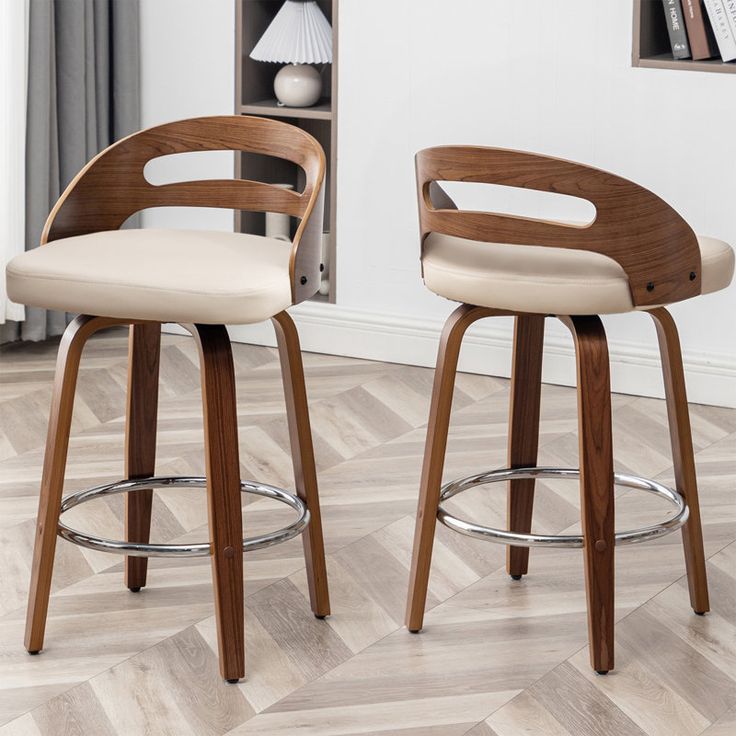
(298, 85)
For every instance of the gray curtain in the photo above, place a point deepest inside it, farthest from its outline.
(83, 94)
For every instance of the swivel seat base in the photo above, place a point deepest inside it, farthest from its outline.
(597, 538)
(225, 543)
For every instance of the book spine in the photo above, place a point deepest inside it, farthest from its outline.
(725, 37)
(730, 7)
(700, 47)
(710, 34)
(676, 29)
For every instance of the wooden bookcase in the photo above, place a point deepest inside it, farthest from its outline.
(254, 96)
(651, 45)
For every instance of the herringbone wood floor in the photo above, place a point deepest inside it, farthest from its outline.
(496, 656)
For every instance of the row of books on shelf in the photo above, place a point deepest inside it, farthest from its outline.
(701, 29)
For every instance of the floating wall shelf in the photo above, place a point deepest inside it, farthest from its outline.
(651, 44)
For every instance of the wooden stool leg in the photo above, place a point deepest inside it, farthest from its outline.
(140, 441)
(223, 494)
(526, 389)
(596, 483)
(52, 481)
(302, 453)
(683, 456)
(434, 457)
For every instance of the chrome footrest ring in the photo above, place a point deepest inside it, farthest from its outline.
(136, 549)
(634, 536)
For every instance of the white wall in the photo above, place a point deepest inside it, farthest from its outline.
(414, 74)
(187, 63)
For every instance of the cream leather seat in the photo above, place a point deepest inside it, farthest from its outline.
(544, 279)
(159, 275)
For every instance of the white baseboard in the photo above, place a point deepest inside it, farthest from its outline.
(635, 369)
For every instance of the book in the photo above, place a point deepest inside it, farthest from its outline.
(676, 29)
(730, 8)
(725, 35)
(699, 31)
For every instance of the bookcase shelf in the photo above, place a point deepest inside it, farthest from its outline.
(651, 44)
(254, 96)
(270, 108)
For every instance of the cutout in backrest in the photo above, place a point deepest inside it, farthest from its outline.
(192, 166)
(530, 204)
(189, 166)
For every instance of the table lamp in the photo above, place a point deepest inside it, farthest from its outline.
(299, 35)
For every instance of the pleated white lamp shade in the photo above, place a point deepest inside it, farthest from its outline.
(299, 34)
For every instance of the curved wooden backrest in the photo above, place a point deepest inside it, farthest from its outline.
(655, 247)
(112, 186)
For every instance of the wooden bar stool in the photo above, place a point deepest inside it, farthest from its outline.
(637, 255)
(202, 280)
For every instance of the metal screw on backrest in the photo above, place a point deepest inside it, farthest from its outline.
(693, 275)
(303, 280)
(650, 286)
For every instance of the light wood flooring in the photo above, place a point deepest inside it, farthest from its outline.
(496, 656)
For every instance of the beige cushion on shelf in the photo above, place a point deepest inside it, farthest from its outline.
(545, 280)
(162, 275)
